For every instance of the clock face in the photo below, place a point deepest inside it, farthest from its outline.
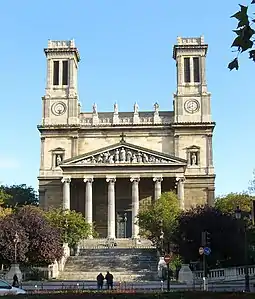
(191, 106)
(58, 108)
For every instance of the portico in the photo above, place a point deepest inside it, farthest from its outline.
(104, 190)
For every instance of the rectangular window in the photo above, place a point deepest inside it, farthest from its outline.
(56, 73)
(186, 69)
(196, 69)
(65, 73)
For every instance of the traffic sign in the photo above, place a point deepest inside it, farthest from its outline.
(167, 258)
(201, 250)
(207, 250)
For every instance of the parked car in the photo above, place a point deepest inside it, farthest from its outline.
(7, 289)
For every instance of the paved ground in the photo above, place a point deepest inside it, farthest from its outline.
(152, 285)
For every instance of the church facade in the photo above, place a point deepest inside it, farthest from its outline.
(107, 165)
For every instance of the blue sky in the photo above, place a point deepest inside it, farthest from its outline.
(126, 56)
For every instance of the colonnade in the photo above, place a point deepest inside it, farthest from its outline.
(111, 180)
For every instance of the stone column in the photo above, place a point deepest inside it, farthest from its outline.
(74, 146)
(135, 206)
(210, 152)
(88, 201)
(157, 187)
(111, 207)
(66, 193)
(42, 152)
(180, 191)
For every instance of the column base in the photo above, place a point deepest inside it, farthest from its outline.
(111, 242)
(136, 241)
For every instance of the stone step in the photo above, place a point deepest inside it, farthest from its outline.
(119, 243)
(117, 276)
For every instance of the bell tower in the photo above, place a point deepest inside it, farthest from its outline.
(192, 100)
(60, 103)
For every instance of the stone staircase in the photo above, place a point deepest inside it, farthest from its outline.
(126, 264)
(121, 243)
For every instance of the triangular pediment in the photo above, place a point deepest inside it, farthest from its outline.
(123, 153)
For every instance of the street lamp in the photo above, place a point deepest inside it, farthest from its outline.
(16, 241)
(238, 215)
(125, 225)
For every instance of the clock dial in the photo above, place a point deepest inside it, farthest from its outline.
(58, 108)
(191, 106)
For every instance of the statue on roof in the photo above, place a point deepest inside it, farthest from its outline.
(156, 108)
(94, 108)
(115, 108)
(136, 107)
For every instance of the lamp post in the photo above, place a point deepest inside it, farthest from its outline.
(163, 253)
(16, 241)
(238, 215)
(125, 225)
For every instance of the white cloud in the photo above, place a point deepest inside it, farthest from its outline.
(9, 163)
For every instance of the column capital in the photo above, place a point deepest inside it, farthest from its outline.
(66, 179)
(88, 179)
(180, 179)
(157, 178)
(111, 179)
(134, 179)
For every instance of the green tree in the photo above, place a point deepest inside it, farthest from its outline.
(160, 216)
(4, 197)
(244, 41)
(20, 195)
(72, 224)
(226, 236)
(228, 203)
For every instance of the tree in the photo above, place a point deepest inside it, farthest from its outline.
(20, 195)
(4, 197)
(228, 203)
(9, 226)
(73, 225)
(244, 40)
(44, 240)
(226, 236)
(160, 216)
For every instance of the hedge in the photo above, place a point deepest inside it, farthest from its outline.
(137, 295)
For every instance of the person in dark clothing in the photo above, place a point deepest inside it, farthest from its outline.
(109, 280)
(15, 282)
(100, 281)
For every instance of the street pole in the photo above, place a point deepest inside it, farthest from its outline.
(246, 269)
(168, 268)
(205, 283)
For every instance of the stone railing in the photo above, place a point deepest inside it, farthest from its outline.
(96, 120)
(235, 273)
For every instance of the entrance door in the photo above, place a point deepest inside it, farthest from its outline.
(124, 224)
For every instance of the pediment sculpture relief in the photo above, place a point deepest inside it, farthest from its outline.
(122, 155)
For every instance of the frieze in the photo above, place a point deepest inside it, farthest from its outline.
(123, 155)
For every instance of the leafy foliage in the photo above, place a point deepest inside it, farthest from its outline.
(5, 212)
(4, 197)
(19, 195)
(244, 40)
(9, 226)
(229, 202)
(44, 239)
(72, 224)
(226, 234)
(160, 216)
(39, 242)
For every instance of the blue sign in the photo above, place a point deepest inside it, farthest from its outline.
(207, 250)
